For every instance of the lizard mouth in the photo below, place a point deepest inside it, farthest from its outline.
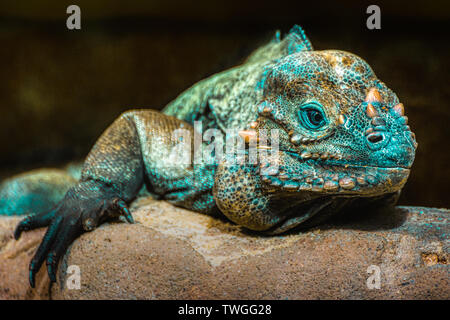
(338, 162)
(331, 176)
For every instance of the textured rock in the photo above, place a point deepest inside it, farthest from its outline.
(172, 253)
(14, 259)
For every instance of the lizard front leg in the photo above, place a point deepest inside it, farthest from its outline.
(128, 153)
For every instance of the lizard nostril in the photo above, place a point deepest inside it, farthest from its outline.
(378, 139)
(375, 137)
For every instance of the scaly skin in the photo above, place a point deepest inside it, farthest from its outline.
(344, 141)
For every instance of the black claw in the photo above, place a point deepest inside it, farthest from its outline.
(129, 218)
(51, 264)
(51, 272)
(32, 272)
(18, 232)
(52, 276)
(33, 221)
(22, 226)
(31, 276)
(122, 206)
(35, 265)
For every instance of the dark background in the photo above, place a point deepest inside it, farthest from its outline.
(60, 89)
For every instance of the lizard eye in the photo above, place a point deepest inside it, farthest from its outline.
(312, 116)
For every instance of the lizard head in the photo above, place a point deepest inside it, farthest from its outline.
(341, 130)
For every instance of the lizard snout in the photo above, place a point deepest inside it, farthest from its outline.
(394, 154)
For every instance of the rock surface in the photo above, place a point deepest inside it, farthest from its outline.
(171, 253)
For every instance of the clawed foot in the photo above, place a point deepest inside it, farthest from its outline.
(83, 208)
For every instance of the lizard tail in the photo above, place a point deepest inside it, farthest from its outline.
(35, 191)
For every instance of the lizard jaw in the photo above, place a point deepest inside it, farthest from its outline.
(332, 179)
